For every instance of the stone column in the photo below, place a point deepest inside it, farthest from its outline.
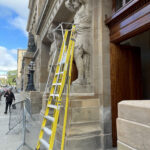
(101, 68)
(44, 58)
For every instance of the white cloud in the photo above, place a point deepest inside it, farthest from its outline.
(7, 61)
(19, 23)
(14, 51)
(21, 8)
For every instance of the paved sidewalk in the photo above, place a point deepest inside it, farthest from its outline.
(15, 138)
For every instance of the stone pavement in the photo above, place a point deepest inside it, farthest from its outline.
(14, 139)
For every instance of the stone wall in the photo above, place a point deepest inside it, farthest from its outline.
(133, 125)
(101, 68)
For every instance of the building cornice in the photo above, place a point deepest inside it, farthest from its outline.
(54, 12)
(31, 7)
(48, 5)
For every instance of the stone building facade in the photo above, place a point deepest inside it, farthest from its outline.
(89, 123)
(107, 35)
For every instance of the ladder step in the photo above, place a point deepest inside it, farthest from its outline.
(52, 106)
(56, 95)
(47, 131)
(56, 84)
(59, 73)
(61, 63)
(44, 143)
(50, 118)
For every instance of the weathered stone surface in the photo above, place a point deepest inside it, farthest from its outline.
(81, 88)
(36, 101)
(123, 146)
(134, 134)
(83, 126)
(88, 143)
(137, 111)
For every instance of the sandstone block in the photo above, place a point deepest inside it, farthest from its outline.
(134, 134)
(138, 111)
(122, 146)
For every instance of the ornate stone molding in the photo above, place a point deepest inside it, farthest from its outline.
(47, 17)
(31, 7)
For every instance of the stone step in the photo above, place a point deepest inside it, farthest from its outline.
(81, 103)
(85, 123)
(137, 111)
(134, 134)
(81, 115)
(84, 114)
(83, 130)
(84, 143)
(80, 143)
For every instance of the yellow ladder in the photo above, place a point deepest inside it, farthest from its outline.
(55, 98)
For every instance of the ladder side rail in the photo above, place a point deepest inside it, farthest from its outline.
(67, 98)
(50, 72)
(67, 60)
(58, 67)
(60, 62)
(52, 90)
(57, 28)
(52, 138)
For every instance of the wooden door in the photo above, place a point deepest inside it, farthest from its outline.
(125, 78)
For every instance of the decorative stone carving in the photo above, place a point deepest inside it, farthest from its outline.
(82, 20)
(56, 40)
(31, 43)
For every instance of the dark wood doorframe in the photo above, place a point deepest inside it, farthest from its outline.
(129, 21)
(125, 76)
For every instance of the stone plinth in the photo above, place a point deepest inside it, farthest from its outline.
(84, 88)
(44, 103)
(133, 125)
(83, 123)
(36, 100)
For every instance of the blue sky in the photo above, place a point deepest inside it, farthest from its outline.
(13, 35)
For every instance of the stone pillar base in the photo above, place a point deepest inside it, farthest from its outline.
(77, 88)
(36, 100)
(44, 103)
(83, 123)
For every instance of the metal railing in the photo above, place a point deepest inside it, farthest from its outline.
(21, 114)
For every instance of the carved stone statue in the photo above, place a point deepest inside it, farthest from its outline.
(31, 43)
(56, 40)
(82, 20)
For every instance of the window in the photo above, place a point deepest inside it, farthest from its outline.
(121, 3)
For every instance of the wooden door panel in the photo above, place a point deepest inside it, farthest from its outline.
(125, 78)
